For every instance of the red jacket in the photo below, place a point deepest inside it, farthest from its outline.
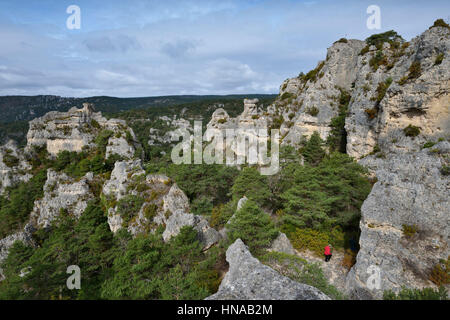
(327, 250)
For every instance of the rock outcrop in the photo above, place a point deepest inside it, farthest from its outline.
(249, 279)
(13, 166)
(159, 202)
(207, 236)
(282, 244)
(422, 101)
(397, 102)
(411, 192)
(62, 194)
(24, 236)
(77, 129)
(308, 105)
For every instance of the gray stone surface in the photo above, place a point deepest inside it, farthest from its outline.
(282, 244)
(412, 191)
(76, 130)
(249, 279)
(11, 175)
(61, 193)
(207, 236)
(156, 190)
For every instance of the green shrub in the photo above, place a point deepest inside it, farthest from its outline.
(342, 40)
(253, 185)
(128, 207)
(337, 139)
(202, 205)
(411, 131)
(10, 160)
(428, 144)
(150, 211)
(221, 214)
(409, 230)
(381, 89)
(102, 139)
(439, 58)
(414, 70)
(311, 75)
(440, 23)
(377, 60)
(364, 50)
(440, 274)
(16, 207)
(417, 294)
(445, 170)
(287, 95)
(253, 226)
(378, 39)
(376, 149)
(309, 239)
(313, 111)
(324, 196)
(313, 151)
(95, 124)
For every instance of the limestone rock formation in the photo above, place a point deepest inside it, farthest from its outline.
(207, 236)
(156, 195)
(398, 102)
(411, 192)
(13, 166)
(61, 194)
(282, 244)
(77, 129)
(249, 279)
(423, 101)
(308, 105)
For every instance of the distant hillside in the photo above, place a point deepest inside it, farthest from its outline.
(16, 111)
(16, 108)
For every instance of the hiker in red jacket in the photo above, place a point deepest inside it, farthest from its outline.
(327, 253)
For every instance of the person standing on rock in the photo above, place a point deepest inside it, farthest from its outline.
(327, 253)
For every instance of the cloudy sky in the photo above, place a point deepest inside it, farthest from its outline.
(146, 48)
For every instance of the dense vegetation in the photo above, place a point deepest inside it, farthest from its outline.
(417, 294)
(113, 266)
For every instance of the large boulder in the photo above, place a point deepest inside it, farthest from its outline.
(411, 192)
(282, 244)
(207, 236)
(249, 279)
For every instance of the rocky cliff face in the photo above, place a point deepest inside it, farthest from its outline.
(154, 200)
(398, 103)
(307, 104)
(411, 192)
(13, 166)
